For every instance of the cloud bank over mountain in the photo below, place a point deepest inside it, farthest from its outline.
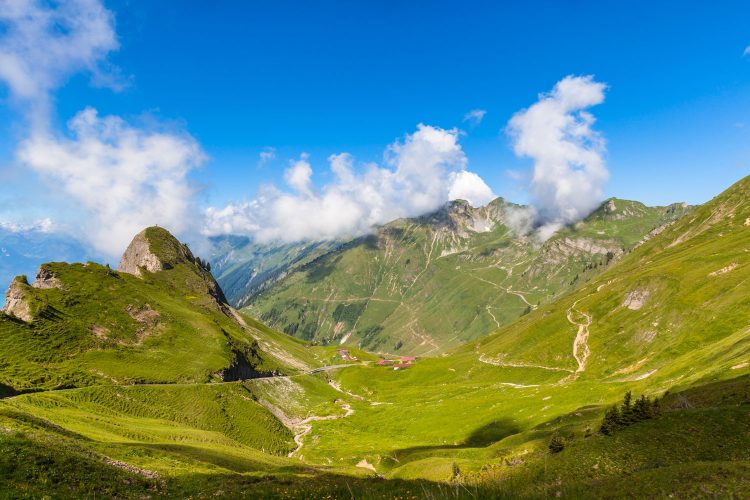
(121, 176)
(420, 173)
(125, 178)
(569, 171)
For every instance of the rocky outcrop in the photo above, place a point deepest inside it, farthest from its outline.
(45, 278)
(557, 251)
(138, 255)
(16, 302)
(154, 249)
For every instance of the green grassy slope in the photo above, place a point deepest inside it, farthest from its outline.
(670, 311)
(177, 442)
(243, 267)
(668, 317)
(92, 325)
(424, 285)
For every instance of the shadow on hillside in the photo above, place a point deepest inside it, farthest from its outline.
(216, 458)
(6, 391)
(481, 437)
(320, 486)
(321, 268)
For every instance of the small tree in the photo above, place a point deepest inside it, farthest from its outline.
(642, 409)
(612, 421)
(626, 413)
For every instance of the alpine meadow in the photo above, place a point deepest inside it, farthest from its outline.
(367, 250)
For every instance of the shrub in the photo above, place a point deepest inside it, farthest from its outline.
(556, 444)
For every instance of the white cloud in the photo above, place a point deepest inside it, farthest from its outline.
(470, 187)
(747, 51)
(119, 178)
(266, 156)
(299, 176)
(122, 177)
(475, 116)
(43, 44)
(42, 226)
(421, 173)
(556, 133)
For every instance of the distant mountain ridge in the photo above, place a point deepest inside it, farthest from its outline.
(23, 251)
(424, 284)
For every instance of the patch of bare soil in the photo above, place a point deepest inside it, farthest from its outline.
(636, 299)
(724, 270)
(148, 319)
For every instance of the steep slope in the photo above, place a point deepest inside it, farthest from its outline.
(668, 320)
(423, 285)
(84, 324)
(244, 268)
(474, 423)
(670, 310)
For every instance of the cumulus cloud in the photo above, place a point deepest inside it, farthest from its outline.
(556, 132)
(42, 44)
(421, 172)
(299, 176)
(124, 178)
(469, 186)
(119, 177)
(475, 116)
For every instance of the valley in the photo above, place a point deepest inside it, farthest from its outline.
(422, 286)
(144, 381)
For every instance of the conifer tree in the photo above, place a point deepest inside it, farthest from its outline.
(626, 414)
(611, 421)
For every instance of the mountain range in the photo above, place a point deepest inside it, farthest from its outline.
(633, 381)
(423, 285)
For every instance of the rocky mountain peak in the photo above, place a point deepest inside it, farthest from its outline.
(154, 249)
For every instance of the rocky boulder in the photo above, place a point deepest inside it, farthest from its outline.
(16, 303)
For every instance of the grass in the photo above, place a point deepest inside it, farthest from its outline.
(475, 422)
(104, 327)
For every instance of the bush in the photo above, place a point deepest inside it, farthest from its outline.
(556, 444)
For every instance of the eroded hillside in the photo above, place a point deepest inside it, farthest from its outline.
(421, 286)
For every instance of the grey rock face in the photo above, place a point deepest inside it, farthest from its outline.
(138, 255)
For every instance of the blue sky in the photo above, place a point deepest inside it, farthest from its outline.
(329, 77)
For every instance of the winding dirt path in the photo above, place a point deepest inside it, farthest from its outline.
(581, 351)
(493, 316)
(303, 428)
(496, 362)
